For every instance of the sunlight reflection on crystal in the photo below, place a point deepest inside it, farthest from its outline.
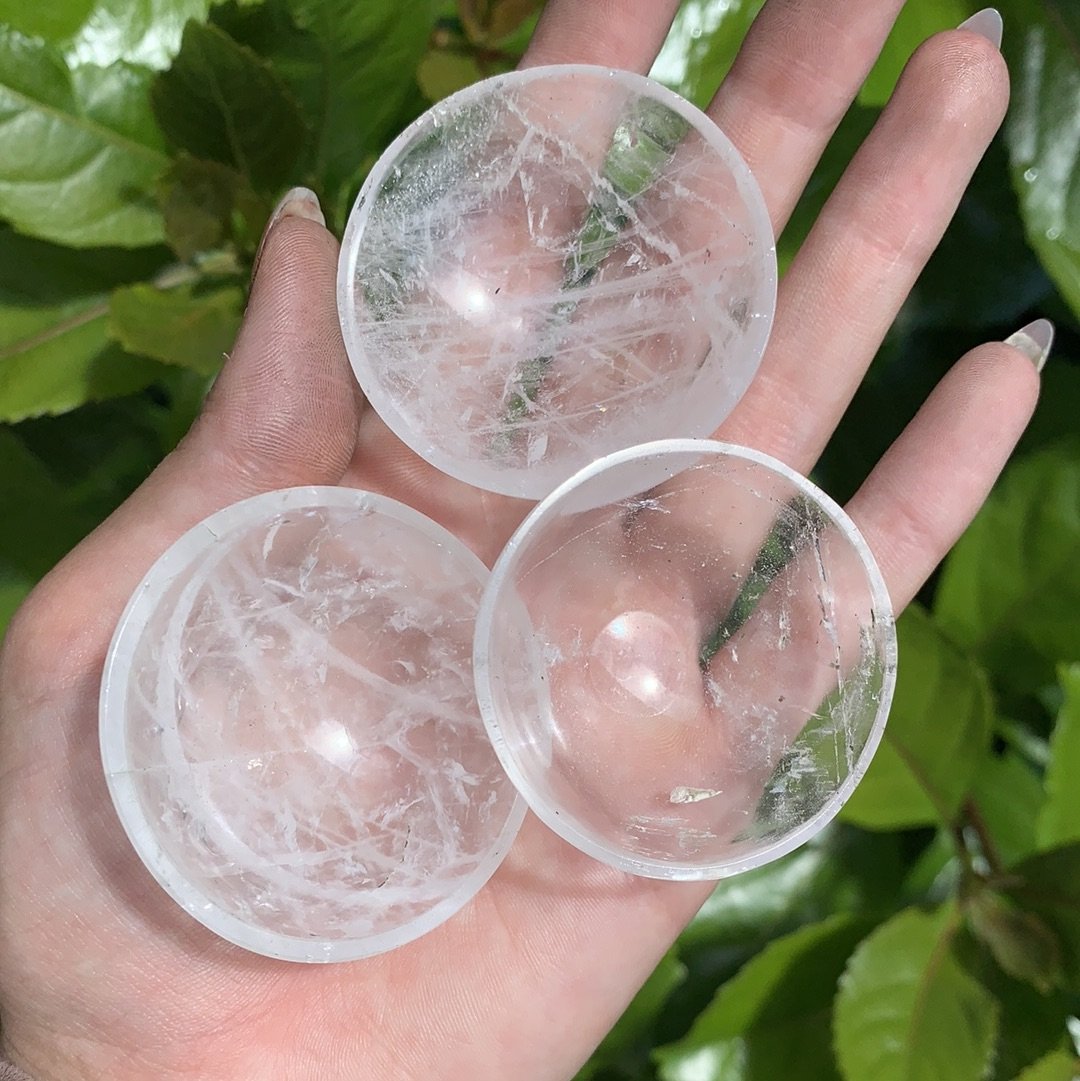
(638, 663)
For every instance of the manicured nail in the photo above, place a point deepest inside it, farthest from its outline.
(295, 203)
(988, 23)
(1035, 341)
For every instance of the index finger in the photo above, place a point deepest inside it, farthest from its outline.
(795, 77)
(614, 33)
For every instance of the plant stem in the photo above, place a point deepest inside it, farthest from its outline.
(969, 820)
(968, 873)
(973, 818)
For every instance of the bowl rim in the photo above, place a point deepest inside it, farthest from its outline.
(112, 707)
(515, 482)
(562, 821)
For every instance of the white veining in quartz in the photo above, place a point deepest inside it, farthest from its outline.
(552, 265)
(717, 655)
(292, 731)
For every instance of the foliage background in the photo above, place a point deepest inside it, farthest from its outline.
(934, 931)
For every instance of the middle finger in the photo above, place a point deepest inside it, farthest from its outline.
(797, 73)
(870, 243)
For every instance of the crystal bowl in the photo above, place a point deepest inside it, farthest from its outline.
(685, 657)
(289, 726)
(551, 265)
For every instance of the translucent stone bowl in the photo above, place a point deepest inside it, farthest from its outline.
(552, 265)
(289, 726)
(685, 657)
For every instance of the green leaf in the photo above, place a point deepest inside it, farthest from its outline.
(481, 39)
(701, 46)
(1059, 821)
(1009, 590)
(42, 516)
(190, 327)
(937, 733)
(206, 205)
(935, 875)
(368, 58)
(1008, 793)
(102, 32)
(771, 1019)
(14, 589)
(918, 20)
(1022, 737)
(791, 972)
(890, 797)
(268, 29)
(1021, 943)
(1031, 1024)
(35, 271)
(223, 102)
(104, 450)
(55, 358)
(62, 475)
(840, 870)
(633, 1030)
(1057, 1066)
(1044, 134)
(441, 73)
(55, 353)
(1059, 406)
(55, 21)
(1048, 885)
(492, 21)
(907, 1011)
(81, 150)
(963, 284)
(140, 31)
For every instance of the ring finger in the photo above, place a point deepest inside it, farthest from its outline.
(869, 245)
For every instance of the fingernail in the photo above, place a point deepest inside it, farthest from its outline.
(1035, 341)
(295, 203)
(988, 23)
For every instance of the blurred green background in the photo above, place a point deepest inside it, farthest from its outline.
(934, 931)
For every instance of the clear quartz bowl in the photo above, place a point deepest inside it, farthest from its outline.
(685, 658)
(290, 731)
(551, 265)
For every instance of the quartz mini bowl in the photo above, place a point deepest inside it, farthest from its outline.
(289, 727)
(685, 657)
(551, 265)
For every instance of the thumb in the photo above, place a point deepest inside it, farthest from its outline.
(284, 409)
(283, 412)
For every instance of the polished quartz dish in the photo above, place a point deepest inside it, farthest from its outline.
(551, 265)
(289, 726)
(685, 657)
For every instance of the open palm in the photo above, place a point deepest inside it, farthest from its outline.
(103, 976)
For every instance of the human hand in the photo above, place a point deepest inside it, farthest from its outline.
(103, 975)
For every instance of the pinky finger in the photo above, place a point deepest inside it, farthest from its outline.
(931, 482)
